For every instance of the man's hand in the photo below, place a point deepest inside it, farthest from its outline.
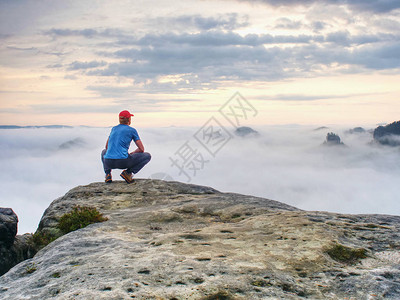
(140, 146)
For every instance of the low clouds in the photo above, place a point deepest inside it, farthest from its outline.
(45, 172)
(285, 163)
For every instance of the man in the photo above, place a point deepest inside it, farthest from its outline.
(116, 155)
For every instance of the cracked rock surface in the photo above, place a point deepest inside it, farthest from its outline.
(170, 240)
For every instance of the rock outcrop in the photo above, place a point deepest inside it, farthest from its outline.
(245, 131)
(72, 144)
(333, 139)
(8, 226)
(169, 240)
(13, 248)
(388, 135)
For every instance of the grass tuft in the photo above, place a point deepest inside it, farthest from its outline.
(41, 239)
(79, 217)
(31, 268)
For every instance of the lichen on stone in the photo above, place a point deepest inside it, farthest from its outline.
(345, 254)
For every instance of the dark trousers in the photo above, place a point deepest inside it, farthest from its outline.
(133, 164)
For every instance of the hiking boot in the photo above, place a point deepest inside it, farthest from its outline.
(127, 176)
(108, 178)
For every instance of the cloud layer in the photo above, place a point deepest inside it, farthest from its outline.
(219, 55)
(376, 6)
(286, 163)
(79, 60)
(207, 50)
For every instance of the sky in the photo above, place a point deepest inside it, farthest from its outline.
(175, 63)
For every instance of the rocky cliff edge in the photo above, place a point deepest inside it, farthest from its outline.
(169, 240)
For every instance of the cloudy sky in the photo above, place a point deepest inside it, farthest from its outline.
(175, 63)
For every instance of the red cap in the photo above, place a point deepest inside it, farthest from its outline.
(125, 114)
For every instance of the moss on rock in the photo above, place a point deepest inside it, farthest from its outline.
(345, 254)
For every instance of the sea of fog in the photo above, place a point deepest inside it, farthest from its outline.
(284, 163)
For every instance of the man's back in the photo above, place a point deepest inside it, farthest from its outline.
(120, 140)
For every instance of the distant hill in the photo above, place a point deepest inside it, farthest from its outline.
(75, 143)
(388, 135)
(356, 130)
(246, 132)
(45, 126)
(321, 128)
(42, 126)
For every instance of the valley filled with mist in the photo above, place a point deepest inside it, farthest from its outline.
(290, 164)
